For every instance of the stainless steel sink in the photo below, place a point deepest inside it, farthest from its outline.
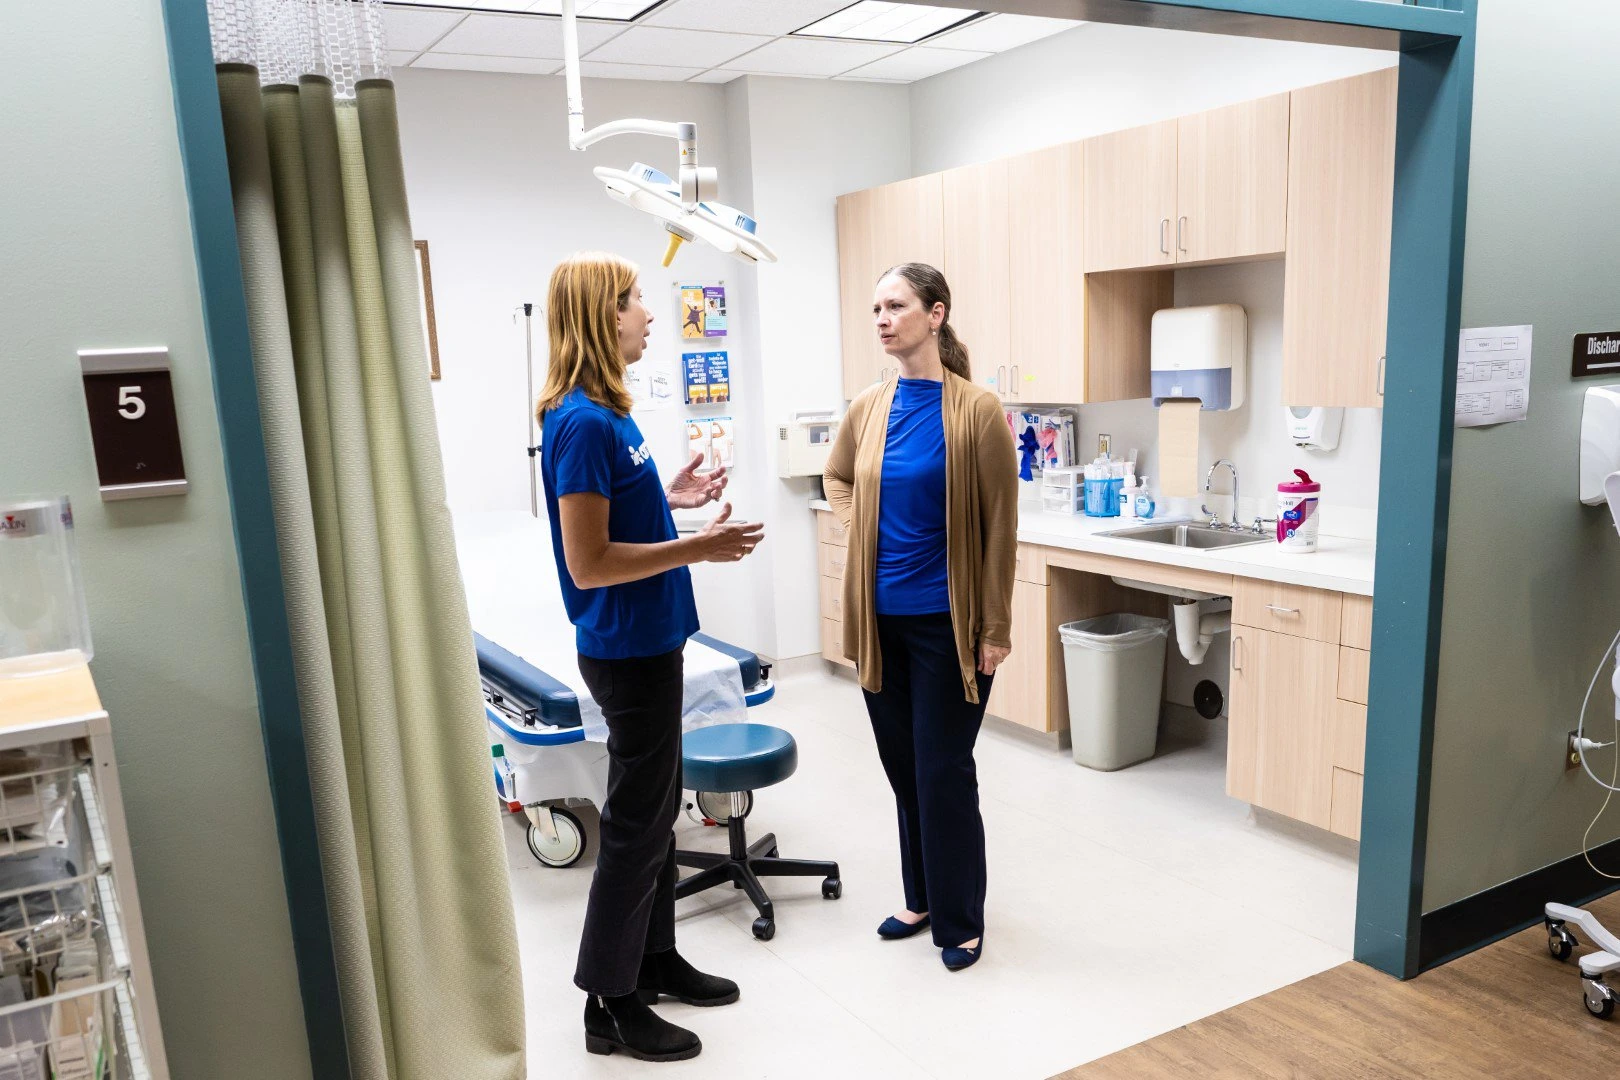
(1189, 535)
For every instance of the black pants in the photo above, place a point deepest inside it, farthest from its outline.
(631, 911)
(925, 732)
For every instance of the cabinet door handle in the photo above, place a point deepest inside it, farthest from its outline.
(1237, 654)
(1001, 380)
(1382, 363)
(1181, 225)
(1280, 610)
(1164, 236)
(1017, 391)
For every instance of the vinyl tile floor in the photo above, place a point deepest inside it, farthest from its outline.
(1121, 906)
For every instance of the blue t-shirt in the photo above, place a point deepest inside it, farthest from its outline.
(911, 569)
(589, 448)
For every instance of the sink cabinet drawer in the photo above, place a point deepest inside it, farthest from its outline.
(1288, 609)
(829, 530)
(833, 559)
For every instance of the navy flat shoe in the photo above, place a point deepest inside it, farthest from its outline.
(894, 929)
(957, 958)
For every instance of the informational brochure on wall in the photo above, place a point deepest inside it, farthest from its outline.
(707, 377)
(692, 311)
(1493, 375)
(714, 311)
(703, 311)
(714, 438)
(652, 385)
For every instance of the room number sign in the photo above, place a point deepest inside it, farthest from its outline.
(133, 424)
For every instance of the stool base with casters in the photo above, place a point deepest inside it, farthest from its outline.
(725, 763)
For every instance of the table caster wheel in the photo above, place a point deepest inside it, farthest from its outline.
(764, 928)
(1560, 943)
(832, 889)
(1600, 1002)
(569, 847)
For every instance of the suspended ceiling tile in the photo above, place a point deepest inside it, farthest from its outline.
(398, 58)
(752, 16)
(593, 69)
(624, 10)
(516, 65)
(520, 35)
(917, 63)
(416, 29)
(803, 56)
(684, 48)
(882, 20)
(459, 6)
(999, 33)
(716, 76)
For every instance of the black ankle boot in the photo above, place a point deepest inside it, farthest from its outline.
(626, 1024)
(668, 973)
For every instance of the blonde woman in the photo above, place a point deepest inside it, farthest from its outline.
(924, 477)
(628, 593)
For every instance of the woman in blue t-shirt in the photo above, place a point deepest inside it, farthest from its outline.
(628, 593)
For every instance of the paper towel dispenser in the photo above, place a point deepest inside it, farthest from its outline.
(1600, 441)
(1200, 352)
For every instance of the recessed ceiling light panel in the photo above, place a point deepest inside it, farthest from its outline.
(876, 20)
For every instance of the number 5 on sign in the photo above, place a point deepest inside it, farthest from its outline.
(130, 406)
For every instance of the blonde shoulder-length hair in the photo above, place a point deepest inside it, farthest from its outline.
(586, 294)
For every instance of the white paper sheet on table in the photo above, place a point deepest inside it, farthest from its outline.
(1493, 375)
(515, 600)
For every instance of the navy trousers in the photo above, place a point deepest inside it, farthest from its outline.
(925, 731)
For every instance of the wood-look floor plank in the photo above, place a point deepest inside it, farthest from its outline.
(1508, 1012)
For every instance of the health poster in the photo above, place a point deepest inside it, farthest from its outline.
(697, 441)
(695, 376)
(714, 311)
(692, 311)
(719, 375)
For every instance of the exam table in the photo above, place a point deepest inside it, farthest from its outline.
(547, 735)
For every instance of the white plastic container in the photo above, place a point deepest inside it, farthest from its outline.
(1298, 513)
(43, 623)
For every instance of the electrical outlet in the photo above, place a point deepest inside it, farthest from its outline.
(1572, 756)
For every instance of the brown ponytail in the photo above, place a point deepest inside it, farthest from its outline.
(931, 288)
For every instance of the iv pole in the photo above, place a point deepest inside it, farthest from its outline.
(528, 356)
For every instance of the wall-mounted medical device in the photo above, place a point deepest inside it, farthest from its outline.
(1316, 427)
(1600, 441)
(804, 443)
(1200, 352)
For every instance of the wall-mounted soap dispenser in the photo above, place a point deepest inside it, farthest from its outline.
(1315, 427)
(1600, 441)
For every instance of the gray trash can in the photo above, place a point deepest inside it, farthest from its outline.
(1114, 665)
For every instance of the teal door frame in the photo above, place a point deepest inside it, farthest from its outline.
(1436, 42)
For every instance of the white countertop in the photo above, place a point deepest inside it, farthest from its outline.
(1339, 564)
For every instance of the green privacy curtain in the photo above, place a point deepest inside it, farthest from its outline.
(415, 869)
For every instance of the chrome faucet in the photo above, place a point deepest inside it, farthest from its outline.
(1234, 523)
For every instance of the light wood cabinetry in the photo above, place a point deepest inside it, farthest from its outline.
(1049, 318)
(1355, 628)
(1297, 713)
(977, 254)
(1232, 182)
(832, 554)
(879, 228)
(1020, 691)
(1341, 176)
(1131, 198)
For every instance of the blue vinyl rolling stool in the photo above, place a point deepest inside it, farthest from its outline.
(730, 761)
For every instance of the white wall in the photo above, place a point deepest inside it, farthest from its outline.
(799, 162)
(1098, 78)
(98, 254)
(500, 199)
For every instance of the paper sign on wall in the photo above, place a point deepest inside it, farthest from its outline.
(1493, 375)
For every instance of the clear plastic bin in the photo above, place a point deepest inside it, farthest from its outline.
(43, 623)
(1114, 665)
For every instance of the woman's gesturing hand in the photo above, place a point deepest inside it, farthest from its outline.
(991, 656)
(691, 489)
(723, 541)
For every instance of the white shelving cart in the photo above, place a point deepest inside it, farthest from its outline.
(76, 994)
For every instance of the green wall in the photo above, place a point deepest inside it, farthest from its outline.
(1532, 577)
(98, 254)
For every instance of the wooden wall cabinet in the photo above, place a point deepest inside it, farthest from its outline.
(978, 251)
(1209, 187)
(1341, 191)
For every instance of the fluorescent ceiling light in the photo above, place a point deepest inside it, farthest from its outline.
(902, 24)
(608, 10)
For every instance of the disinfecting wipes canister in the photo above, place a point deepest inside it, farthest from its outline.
(1298, 503)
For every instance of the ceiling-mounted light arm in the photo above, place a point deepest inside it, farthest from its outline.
(698, 184)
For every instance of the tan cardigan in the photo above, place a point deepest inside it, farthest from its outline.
(981, 521)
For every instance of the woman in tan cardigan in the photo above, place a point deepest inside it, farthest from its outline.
(925, 479)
